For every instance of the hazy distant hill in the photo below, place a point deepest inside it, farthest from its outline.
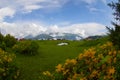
(94, 37)
(66, 36)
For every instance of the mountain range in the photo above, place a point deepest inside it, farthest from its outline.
(55, 36)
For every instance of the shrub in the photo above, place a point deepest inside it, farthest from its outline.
(6, 42)
(98, 63)
(1, 38)
(8, 70)
(9, 40)
(3, 45)
(26, 47)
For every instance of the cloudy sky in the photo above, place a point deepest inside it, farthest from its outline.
(24, 17)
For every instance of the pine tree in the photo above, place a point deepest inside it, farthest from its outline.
(114, 33)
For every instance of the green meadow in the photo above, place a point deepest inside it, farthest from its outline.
(50, 55)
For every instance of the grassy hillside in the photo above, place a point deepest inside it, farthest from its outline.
(50, 54)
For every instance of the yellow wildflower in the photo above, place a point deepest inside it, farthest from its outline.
(84, 78)
(80, 56)
(111, 70)
(65, 71)
(95, 60)
(72, 61)
(114, 53)
(114, 60)
(108, 77)
(59, 68)
(44, 73)
(9, 59)
(93, 74)
(74, 76)
(109, 44)
(100, 56)
(89, 53)
(47, 73)
(109, 52)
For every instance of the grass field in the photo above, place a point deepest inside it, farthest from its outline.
(50, 54)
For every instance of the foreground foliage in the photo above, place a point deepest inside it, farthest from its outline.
(8, 70)
(114, 33)
(98, 63)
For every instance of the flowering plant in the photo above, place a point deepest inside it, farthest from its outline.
(98, 63)
(8, 70)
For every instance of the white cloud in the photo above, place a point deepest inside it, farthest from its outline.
(26, 6)
(93, 9)
(11, 7)
(86, 29)
(32, 7)
(91, 28)
(91, 5)
(23, 30)
(29, 5)
(104, 1)
(6, 12)
(89, 1)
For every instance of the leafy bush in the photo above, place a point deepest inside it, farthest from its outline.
(8, 70)
(26, 47)
(9, 40)
(1, 38)
(97, 63)
(6, 42)
(3, 45)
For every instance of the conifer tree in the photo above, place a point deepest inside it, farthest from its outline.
(114, 33)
